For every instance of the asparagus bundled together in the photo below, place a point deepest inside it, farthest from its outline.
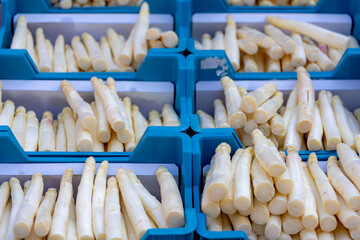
(116, 208)
(66, 4)
(243, 193)
(250, 50)
(113, 53)
(303, 122)
(270, 3)
(108, 124)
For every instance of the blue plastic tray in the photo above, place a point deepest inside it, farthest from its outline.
(9, 8)
(203, 148)
(164, 148)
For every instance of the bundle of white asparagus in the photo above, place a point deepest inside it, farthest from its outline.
(114, 53)
(303, 122)
(108, 124)
(250, 50)
(66, 4)
(121, 209)
(271, 195)
(270, 3)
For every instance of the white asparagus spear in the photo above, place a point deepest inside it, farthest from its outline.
(221, 176)
(132, 203)
(285, 236)
(260, 212)
(66, 4)
(71, 232)
(258, 229)
(30, 48)
(218, 42)
(272, 65)
(98, 146)
(4, 196)
(142, 25)
(260, 60)
(331, 130)
(214, 224)
(82, 56)
(306, 101)
(247, 46)
(310, 219)
(240, 223)
(317, 33)
(350, 162)
(60, 217)
(298, 56)
(17, 196)
(115, 43)
(296, 199)
(31, 132)
(169, 39)
(277, 125)
(60, 144)
(114, 145)
(342, 184)
(354, 125)
(245, 138)
(198, 45)
(50, 52)
(171, 201)
(341, 233)
(293, 137)
(278, 205)
(251, 124)
(84, 141)
(209, 207)
(349, 218)
(206, 41)
(262, 182)
(46, 133)
(19, 124)
(154, 118)
(19, 38)
(334, 55)
(249, 63)
(311, 51)
(308, 235)
(83, 200)
(70, 129)
(97, 59)
(140, 123)
(55, 126)
(255, 36)
(342, 122)
(98, 201)
(106, 52)
(103, 124)
(291, 225)
(231, 48)
(156, 44)
(82, 108)
(45, 64)
(151, 205)
(170, 118)
(7, 114)
(127, 51)
(113, 211)
(44, 214)
(71, 63)
(327, 193)
(268, 155)
(286, 42)
(273, 227)
(314, 139)
(324, 235)
(254, 99)
(129, 228)
(205, 120)
(275, 52)
(286, 65)
(236, 117)
(242, 184)
(4, 221)
(226, 224)
(153, 33)
(113, 113)
(325, 62)
(268, 109)
(129, 146)
(59, 55)
(327, 221)
(26, 214)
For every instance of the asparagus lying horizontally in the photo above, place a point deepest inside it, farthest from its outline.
(98, 210)
(326, 201)
(270, 3)
(66, 4)
(108, 54)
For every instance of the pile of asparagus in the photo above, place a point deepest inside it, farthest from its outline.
(113, 54)
(107, 124)
(66, 4)
(124, 209)
(269, 3)
(304, 123)
(269, 195)
(250, 50)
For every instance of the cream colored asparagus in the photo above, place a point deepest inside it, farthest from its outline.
(19, 38)
(259, 57)
(30, 48)
(272, 65)
(260, 213)
(226, 224)
(71, 63)
(214, 224)
(310, 219)
(273, 227)
(314, 139)
(7, 114)
(97, 58)
(31, 132)
(46, 133)
(327, 193)
(240, 223)
(277, 125)
(319, 34)
(291, 225)
(286, 42)
(206, 41)
(249, 63)
(114, 145)
(209, 207)
(262, 182)
(325, 62)
(81, 55)
(44, 213)
(19, 124)
(142, 25)
(278, 205)
(115, 43)
(286, 65)
(140, 123)
(258, 229)
(255, 36)
(4, 221)
(325, 235)
(293, 137)
(71, 232)
(268, 109)
(350, 162)
(84, 141)
(59, 55)
(103, 126)
(354, 125)
(106, 52)
(45, 61)
(154, 118)
(129, 228)
(153, 33)
(4, 196)
(17, 196)
(70, 129)
(169, 39)
(251, 124)
(170, 118)
(247, 46)
(83, 201)
(311, 51)
(254, 99)
(231, 47)
(60, 141)
(129, 146)
(205, 120)
(341, 233)
(349, 218)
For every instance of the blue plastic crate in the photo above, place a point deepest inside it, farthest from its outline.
(202, 67)
(159, 148)
(9, 8)
(351, 7)
(203, 148)
(160, 68)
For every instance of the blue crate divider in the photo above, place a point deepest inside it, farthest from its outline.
(158, 147)
(177, 8)
(203, 148)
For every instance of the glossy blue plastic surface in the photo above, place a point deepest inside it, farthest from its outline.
(16, 59)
